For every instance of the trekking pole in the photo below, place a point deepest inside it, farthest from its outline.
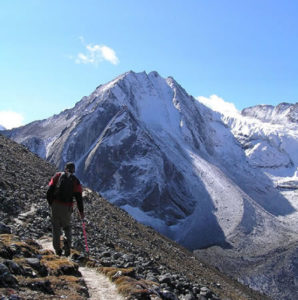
(85, 236)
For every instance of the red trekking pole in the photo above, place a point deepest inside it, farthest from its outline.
(85, 236)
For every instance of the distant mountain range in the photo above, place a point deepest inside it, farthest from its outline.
(200, 177)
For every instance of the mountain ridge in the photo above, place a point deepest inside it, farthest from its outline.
(283, 112)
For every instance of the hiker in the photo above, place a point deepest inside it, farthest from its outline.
(63, 186)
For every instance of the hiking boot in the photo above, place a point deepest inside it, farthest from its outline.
(66, 247)
(66, 252)
(59, 252)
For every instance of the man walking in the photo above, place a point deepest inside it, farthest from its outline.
(63, 187)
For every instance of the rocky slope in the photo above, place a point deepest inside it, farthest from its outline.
(115, 241)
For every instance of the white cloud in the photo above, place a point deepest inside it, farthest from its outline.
(95, 54)
(218, 104)
(109, 54)
(11, 119)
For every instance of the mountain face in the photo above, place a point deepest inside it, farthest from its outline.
(197, 176)
(269, 138)
(2, 127)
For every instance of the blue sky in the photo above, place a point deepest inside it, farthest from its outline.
(52, 53)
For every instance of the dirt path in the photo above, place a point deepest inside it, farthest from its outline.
(99, 286)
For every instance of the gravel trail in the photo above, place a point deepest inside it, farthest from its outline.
(99, 286)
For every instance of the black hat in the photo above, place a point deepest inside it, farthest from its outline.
(70, 167)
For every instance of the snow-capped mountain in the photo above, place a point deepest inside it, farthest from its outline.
(269, 138)
(2, 127)
(149, 147)
(198, 176)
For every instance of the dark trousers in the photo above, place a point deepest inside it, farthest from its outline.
(61, 219)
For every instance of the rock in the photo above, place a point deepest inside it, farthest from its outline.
(106, 263)
(33, 262)
(14, 268)
(6, 252)
(187, 297)
(72, 270)
(116, 255)
(6, 278)
(4, 228)
(147, 263)
(128, 257)
(42, 285)
(150, 276)
(78, 258)
(128, 265)
(12, 297)
(106, 254)
(167, 295)
(36, 265)
(196, 289)
(165, 278)
(204, 291)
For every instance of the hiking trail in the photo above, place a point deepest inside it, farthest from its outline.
(99, 286)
